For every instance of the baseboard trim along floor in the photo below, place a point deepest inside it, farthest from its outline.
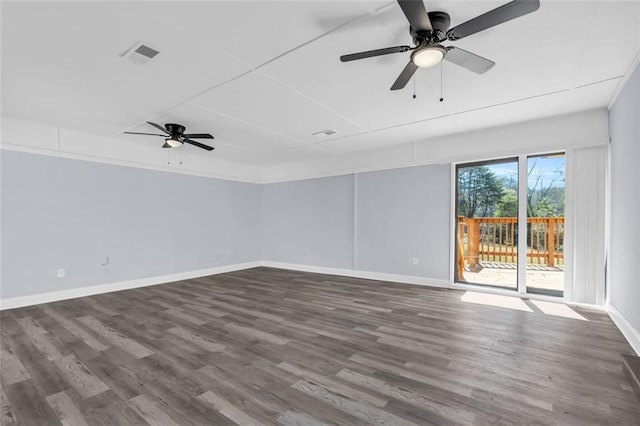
(632, 336)
(377, 276)
(54, 296)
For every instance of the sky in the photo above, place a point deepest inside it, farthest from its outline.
(545, 168)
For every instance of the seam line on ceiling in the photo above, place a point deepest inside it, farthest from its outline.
(598, 82)
(312, 40)
(187, 100)
(255, 126)
(580, 54)
(311, 99)
(256, 68)
(465, 111)
(511, 102)
(630, 69)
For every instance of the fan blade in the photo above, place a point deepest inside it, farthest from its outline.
(468, 60)
(499, 15)
(148, 134)
(198, 144)
(372, 53)
(416, 14)
(198, 136)
(159, 127)
(405, 76)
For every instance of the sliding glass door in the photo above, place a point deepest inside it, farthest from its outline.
(545, 224)
(491, 200)
(487, 223)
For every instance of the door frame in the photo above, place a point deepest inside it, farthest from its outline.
(521, 290)
(455, 171)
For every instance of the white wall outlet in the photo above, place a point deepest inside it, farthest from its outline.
(415, 261)
(222, 254)
(61, 273)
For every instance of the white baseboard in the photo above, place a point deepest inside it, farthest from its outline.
(54, 296)
(594, 307)
(377, 276)
(631, 334)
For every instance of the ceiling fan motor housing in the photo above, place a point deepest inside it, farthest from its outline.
(175, 129)
(440, 22)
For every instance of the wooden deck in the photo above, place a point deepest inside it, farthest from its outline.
(487, 252)
(505, 275)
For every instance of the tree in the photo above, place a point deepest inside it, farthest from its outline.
(543, 208)
(510, 182)
(479, 190)
(508, 204)
(545, 199)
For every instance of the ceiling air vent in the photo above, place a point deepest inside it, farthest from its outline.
(324, 133)
(140, 53)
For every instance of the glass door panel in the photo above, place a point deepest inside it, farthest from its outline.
(487, 223)
(545, 224)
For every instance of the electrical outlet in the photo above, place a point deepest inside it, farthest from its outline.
(415, 261)
(61, 273)
(222, 254)
(104, 261)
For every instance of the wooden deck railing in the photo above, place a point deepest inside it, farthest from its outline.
(495, 239)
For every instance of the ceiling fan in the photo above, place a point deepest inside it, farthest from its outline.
(430, 29)
(175, 136)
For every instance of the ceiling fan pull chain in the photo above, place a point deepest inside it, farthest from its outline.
(168, 159)
(181, 153)
(441, 78)
(414, 86)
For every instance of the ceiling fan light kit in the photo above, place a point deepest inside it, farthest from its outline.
(429, 29)
(172, 143)
(428, 56)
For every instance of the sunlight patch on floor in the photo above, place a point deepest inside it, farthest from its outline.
(496, 300)
(558, 310)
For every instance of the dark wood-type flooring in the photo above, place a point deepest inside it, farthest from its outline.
(266, 346)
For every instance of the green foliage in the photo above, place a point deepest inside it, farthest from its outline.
(508, 204)
(483, 194)
(479, 191)
(545, 208)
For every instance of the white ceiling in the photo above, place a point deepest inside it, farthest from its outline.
(264, 76)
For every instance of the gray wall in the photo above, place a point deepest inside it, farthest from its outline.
(309, 222)
(399, 214)
(402, 214)
(624, 126)
(61, 213)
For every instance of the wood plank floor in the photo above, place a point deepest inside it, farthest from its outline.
(266, 346)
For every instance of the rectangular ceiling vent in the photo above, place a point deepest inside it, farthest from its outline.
(324, 133)
(140, 53)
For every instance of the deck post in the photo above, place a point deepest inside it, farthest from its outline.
(473, 254)
(551, 255)
(460, 251)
